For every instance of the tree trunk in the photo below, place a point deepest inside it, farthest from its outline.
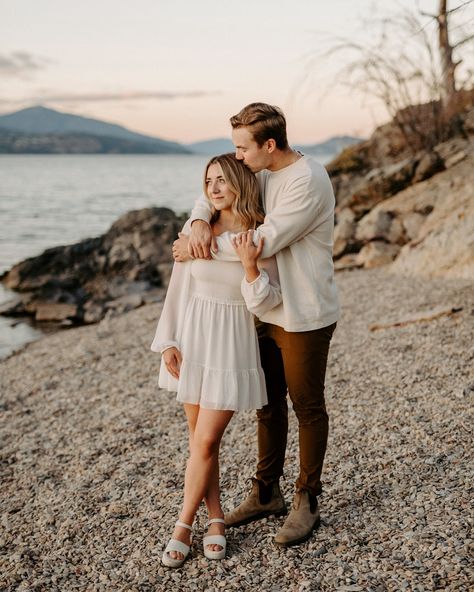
(448, 81)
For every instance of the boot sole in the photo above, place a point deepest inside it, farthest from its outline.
(256, 517)
(302, 539)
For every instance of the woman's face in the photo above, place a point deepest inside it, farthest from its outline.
(220, 194)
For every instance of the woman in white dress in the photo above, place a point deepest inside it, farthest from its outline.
(209, 346)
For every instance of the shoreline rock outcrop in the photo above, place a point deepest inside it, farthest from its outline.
(413, 212)
(118, 271)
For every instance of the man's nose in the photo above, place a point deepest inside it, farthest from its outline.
(238, 155)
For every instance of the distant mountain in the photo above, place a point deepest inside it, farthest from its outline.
(40, 120)
(72, 143)
(333, 145)
(216, 146)
(42, 130)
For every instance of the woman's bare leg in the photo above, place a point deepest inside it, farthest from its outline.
(212, 497)
(202, 472)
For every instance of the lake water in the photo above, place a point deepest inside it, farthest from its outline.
(50, 200)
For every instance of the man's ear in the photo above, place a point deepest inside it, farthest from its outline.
(271, 145)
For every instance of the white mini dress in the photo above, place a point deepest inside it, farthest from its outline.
(207, 318)
(221, 362)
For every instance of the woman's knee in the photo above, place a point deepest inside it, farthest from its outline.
(206, 445)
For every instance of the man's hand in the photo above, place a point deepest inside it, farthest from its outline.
(173, 358)
(201, 240)
(248, 253)
(180, 248)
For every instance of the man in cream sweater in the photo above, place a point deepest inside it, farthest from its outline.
(294, 337)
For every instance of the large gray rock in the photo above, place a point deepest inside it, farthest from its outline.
(365, 174)
(376, 253)
(430, 164)
(80, 282)
(444, 245)
(377, 185)
(412, 223)
(344, 232)
(379, 224)
(55, 312)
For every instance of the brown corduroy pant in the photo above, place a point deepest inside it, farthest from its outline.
(293, 363)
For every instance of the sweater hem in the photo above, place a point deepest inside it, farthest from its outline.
(304, 325)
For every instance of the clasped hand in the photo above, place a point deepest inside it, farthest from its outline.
(246, 250)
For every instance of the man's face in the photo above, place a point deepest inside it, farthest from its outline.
(247, 150)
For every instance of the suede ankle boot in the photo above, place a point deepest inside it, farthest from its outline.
(302, 520)
(263, 501)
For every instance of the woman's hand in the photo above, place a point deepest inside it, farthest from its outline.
(173, 358)
(248, 253)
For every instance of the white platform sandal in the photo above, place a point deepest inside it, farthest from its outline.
(215, 539)
(179, 547)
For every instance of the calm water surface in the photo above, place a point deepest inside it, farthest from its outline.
(53, 200)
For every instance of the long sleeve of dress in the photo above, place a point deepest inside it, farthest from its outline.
(170, 325)
(264, 293)
(168, 331)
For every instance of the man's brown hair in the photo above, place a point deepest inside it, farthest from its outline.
(264, 121)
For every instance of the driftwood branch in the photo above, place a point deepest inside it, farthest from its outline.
(421, 317)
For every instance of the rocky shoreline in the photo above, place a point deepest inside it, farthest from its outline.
(397, 206)
(111, 274)
(93, 457)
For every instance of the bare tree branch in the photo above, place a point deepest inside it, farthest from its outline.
(433, 16)
(463, 41)
(403, 69)
(458, 7)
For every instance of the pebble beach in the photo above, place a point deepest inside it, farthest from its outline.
(93, 457)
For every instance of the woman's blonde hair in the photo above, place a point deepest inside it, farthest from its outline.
(247, 205)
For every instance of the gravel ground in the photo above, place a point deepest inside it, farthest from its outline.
(93, 456)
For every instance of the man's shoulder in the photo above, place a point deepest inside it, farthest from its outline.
(312, 167)
(308, 170)
(305, 173)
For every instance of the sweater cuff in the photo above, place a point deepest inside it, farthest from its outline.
(199, 214)
(163, 346)
(253, 282)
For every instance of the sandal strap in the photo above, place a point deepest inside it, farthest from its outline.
(175, 545)
(183, 525)
(215, 539)
(216, 520)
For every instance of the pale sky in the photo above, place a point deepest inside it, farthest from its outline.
(179, 69)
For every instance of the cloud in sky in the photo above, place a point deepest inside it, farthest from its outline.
(20, 64)
(109, 96)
